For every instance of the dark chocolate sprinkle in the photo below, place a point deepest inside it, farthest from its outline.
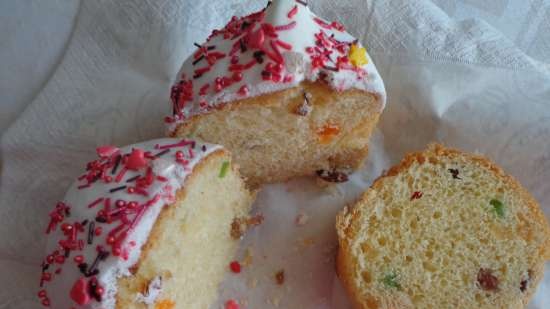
(197, 44)
(134, 178)
(165, 151)
(117, 189)
(211, 47)
(91, 233)
(242, 45)
(335, 69)
(304, 3)
(101, 219)
(203, 147)
(198, 60)
(117, 163)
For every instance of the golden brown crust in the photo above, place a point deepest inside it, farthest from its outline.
(346, 262)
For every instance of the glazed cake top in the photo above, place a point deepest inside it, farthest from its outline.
(273, 49)
(96, 232)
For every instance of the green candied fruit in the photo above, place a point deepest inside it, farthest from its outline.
(224, 169)
(498, 207)
(390, 280)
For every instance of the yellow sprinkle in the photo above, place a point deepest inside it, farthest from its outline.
(165, 304)
(358, 56)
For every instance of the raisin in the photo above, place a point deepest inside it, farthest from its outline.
(487, 281)
(332, 176)
(454, 172)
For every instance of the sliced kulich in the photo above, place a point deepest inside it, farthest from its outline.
(443, 229)
(145, 226)
(288, 93)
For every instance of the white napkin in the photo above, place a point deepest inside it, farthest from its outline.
(458, 82)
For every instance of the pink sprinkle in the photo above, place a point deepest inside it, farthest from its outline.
(293, 12)
(231, 304)
(288, 78)
(277, 52)
(182, 143)
(273, 56)
(202, 70)
(243, 90)
(106, 151)
(235, 67)
(94, 203)
(284, 44)
(256, 39)
(309, 50)
(83, 186)
(338, 26)
(121, 174)
(321, 23)
(250, 64)
(203, 89)
(286, 27)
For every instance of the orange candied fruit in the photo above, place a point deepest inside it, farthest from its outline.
(165, 304)
(327, 133)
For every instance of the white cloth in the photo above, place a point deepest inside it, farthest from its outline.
(105, 76)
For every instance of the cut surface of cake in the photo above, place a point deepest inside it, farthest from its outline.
(443, 229)
(287, 92)
(145, 226)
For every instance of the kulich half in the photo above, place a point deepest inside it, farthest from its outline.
(443, 229)
(145, 226)
(287, 92)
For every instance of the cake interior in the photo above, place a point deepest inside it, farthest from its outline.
(190, 246)
(292, 132)
(449, 232)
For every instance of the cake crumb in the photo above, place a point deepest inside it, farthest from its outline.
(240, 225)
(280, 277)
(275, 301)
(247, 260)
(302, 219)
(252, 283)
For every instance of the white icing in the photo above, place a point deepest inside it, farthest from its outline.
(297, 63)
(113, 268)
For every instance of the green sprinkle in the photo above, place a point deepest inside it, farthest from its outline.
(498, 207)
(223, 170)
(390, 280)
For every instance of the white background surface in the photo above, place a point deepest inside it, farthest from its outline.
(74, 75)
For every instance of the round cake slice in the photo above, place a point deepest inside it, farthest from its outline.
(289, 93)
(145, 226)
(443, 229)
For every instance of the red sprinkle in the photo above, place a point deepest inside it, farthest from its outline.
(283, 44)
(243, 90)
(286, 27)
(235, 267)
(321, 23)
(79, 292)
(231, 304)
(293, 12)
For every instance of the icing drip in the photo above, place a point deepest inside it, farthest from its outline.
(96, 233)
(273, 49)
